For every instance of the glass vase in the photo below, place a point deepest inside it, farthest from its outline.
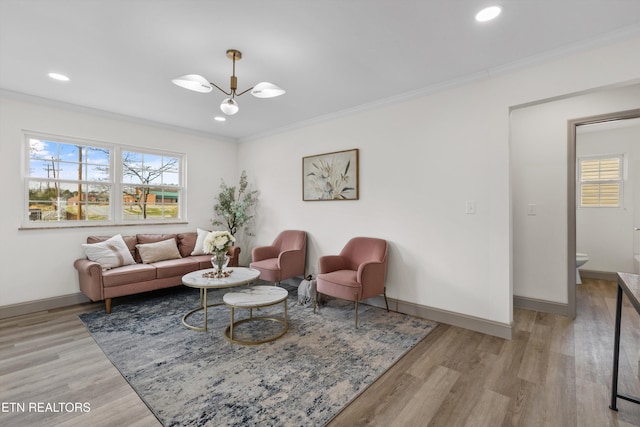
(219, 262)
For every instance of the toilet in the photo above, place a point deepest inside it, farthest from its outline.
(581, 259)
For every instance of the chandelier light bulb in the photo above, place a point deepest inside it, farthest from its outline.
(229, 107)
(489, 13)
(59, 77)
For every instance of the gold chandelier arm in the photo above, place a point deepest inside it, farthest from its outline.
(244, 91)
(222, 90)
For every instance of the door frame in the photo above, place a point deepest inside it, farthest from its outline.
(571, 193)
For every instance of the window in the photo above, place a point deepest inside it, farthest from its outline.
(151, 184)
(75, 183)
(600, 181)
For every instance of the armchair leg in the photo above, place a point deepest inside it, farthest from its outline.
(385, 298)
(356, 311)
(107, 305)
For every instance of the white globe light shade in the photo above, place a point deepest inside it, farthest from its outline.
(229, 107)
(489, 13)
(193, 82)
(266, 90)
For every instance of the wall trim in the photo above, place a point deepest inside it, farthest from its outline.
(541, 305)
(477, 324)
(599, 275)
(500, 330)
(47, 102)
(42, 305)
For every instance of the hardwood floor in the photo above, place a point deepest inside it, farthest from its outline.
(554, 372)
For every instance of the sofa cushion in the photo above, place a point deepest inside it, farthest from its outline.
(110, 253)
(128, 274)
(130, 241)
(151, 238)
(204, 261)
(191, 243)
(158, 251)
(175, 267)
(186, 243)
(266, 264)
(341, 278)
(198, 249)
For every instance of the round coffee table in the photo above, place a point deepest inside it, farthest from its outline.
(256, 297)
(200, 279)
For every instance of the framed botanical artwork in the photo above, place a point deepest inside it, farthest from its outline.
(330, 176)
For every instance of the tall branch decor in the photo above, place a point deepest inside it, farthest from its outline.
(235, 210)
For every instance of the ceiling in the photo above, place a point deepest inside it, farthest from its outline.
(331, 56)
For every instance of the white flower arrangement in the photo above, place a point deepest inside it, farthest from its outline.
(217, 241)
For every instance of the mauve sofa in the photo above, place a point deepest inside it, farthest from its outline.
(99, 284)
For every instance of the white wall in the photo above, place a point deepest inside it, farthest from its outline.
(606, 234)
(415, 176)
(420, 161)
(539, 176)
(38, 264)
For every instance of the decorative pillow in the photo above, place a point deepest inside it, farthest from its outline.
(158, 251)
(111, 253)
(199, 248)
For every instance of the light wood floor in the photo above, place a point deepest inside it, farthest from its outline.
(555, 372)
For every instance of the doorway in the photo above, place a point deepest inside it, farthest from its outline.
(571, 192)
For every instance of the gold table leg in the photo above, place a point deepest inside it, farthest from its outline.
(228, 333)
(203, 306)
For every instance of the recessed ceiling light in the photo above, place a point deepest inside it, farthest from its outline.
(488, 13)
(219, 119)
(58, 76)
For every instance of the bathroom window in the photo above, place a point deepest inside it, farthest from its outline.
(600, 181)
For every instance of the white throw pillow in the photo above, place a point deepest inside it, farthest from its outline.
(158, 251)
(111, 253)
(199, 247)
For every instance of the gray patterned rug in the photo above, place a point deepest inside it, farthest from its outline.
(305, 378)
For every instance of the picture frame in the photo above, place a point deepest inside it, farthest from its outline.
(331, 176)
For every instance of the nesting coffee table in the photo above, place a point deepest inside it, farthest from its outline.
(251, 298)
(200, 279)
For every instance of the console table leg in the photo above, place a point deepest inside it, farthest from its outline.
(616, 352)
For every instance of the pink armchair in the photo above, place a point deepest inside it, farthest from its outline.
(285, 258)
(357, 273)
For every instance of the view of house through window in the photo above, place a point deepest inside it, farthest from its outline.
(151, 184)
(75, 183)
(600, 181)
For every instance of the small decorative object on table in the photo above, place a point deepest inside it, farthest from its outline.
(217, 243)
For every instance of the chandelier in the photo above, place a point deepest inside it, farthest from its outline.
(229, 106)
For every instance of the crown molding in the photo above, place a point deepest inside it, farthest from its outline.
(570, 49)
(20, 96)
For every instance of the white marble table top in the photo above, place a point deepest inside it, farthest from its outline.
(256, 296)
(239, 276)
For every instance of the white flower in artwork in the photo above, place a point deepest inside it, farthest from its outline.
(330, 179)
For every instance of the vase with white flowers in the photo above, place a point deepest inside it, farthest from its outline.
(217, 243)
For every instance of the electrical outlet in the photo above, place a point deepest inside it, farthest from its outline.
(470, 208)
(532, 209)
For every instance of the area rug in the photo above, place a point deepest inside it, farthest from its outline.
(304, 378)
